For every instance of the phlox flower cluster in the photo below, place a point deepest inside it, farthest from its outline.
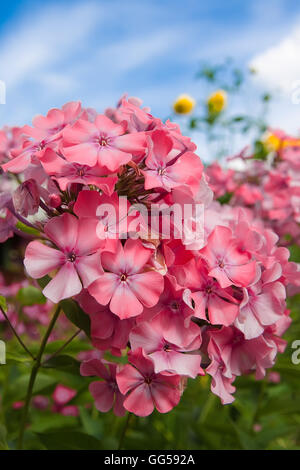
(173, 307)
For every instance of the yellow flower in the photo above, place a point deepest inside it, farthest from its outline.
(217, 101)
(184, 104)
(273, 143)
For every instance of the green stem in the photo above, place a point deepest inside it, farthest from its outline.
(34, 371)
(207, 407)
(259, 402)
(122, 437)
(16, 334)
(63, 346)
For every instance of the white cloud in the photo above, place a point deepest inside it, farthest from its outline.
(70, 51)
(44, 39)
(278, 67)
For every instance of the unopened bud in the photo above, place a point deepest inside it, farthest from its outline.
(26, 198)
(54, 200)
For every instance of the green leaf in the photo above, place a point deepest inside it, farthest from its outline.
(17, 358)
(43, 281)
(3, 303)
(91, 426)
(49, 421)
(76, 315)
(65, 362)
(66, 440)
(225, 198)
(30, 296)
(17, 390)
(295, 253)
(3, 443)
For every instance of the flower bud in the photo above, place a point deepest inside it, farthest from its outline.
(54, 200)
(26, 198)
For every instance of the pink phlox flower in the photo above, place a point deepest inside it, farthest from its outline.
(145, 390)
(125, 286)
(106, 392)
(77, 256)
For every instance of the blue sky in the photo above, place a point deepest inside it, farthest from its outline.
(53, 52)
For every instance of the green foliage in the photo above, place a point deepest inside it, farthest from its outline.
(63, 362)
(68, 440)
(76, 315)
(265, 415)
(3, 303)
(30, 295)
(225, 199)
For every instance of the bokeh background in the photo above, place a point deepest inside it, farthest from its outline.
(56, 51)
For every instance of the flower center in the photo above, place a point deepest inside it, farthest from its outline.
(71, 257)
(123, 277)
(174, 305)
(81, 171)
(161, 171)
(221, 264)
(102, 141)
(41, 145)
(148, 380)
(167, 348)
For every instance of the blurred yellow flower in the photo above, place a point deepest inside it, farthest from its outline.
(184, 104)
(217, 101)
(273, 143)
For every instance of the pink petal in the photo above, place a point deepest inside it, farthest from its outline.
(128, 378)
(52, 163)
(140, 401)
(108, 127)
(85, 153)
(87, 203)
(136, 256)
(62, 230)
(79, 132)
(146, 337)
(221, 312)
(147, 287)
(103, 395)
(18, 164)
(166, 393)
(162, 145)
(242, 275)
(94, 367)
(112, 158)
(177, 362)
(124, 302)
(131, 143)
(103, 288)
(40, 259)
(63, 395)
(89, 268)
(87, 240)
(115, 261)
(119, 409)
(65, 284)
